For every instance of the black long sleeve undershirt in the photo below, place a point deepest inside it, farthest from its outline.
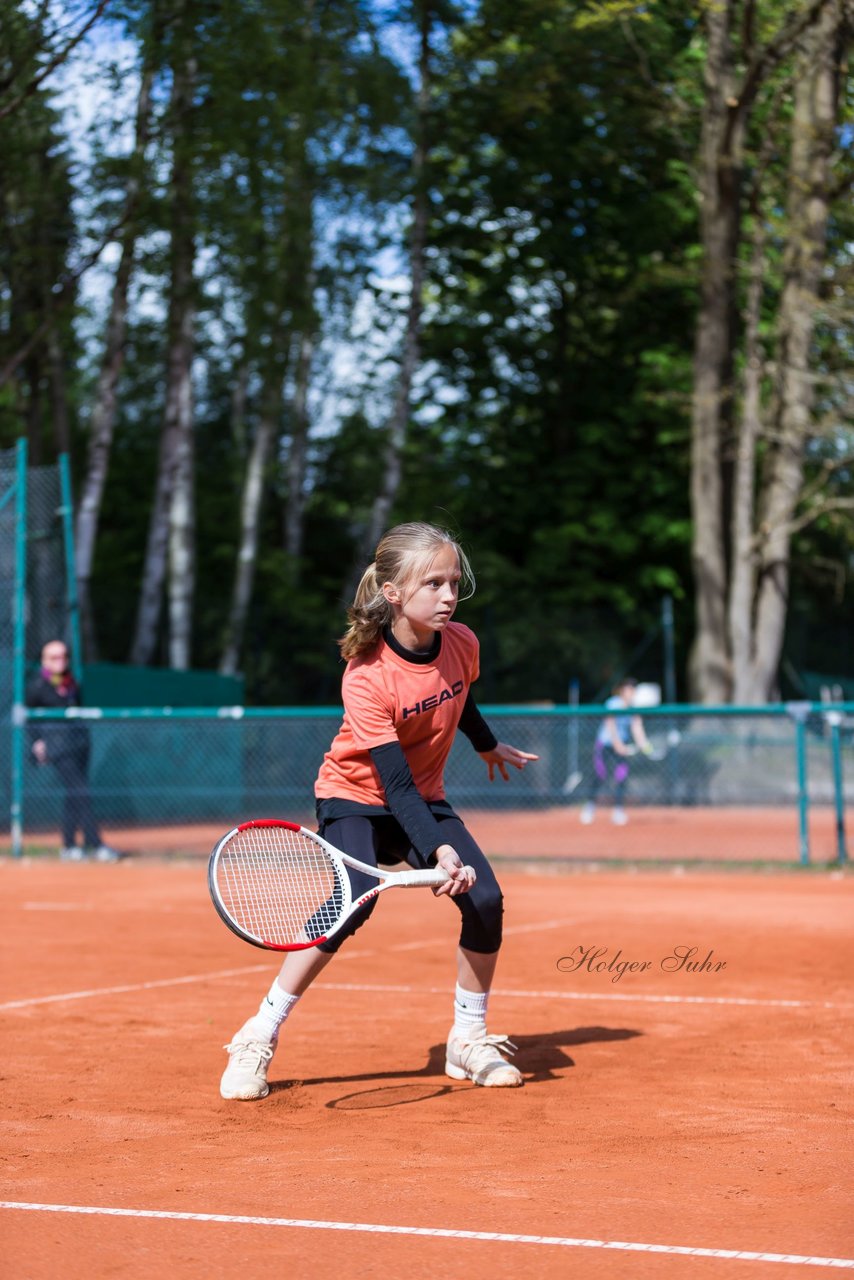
(404, 800)
(475, 727)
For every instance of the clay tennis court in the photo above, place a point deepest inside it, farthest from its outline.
(671, 834)
(672, 1123)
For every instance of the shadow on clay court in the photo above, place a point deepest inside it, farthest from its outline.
(538, 1057)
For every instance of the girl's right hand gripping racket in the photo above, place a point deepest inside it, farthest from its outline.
(283, 888)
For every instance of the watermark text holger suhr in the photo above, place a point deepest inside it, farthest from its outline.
(681, 959)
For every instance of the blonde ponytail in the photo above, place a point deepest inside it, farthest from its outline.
(369, 613)
(402, 554)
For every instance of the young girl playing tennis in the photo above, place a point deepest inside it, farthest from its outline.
(380, 791)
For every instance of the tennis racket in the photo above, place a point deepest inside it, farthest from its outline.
(283, 888)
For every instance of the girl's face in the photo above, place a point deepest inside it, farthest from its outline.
(426, 604)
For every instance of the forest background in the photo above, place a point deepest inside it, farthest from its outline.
(572, 279)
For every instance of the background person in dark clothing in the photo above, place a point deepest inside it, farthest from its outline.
(64, 744)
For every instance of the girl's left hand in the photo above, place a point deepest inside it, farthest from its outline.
(460, 878)
(501, 755)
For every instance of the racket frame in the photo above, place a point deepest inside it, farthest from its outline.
(388, 880)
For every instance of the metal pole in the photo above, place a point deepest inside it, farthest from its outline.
(19, 712)
(574, 772)
(67, 513)
(834, 719)
(671, 773)
(573, 727)
(803, 797)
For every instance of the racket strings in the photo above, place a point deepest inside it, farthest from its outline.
(279, 886)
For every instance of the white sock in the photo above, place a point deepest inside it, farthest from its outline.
(469, 1013)
(274, 1009)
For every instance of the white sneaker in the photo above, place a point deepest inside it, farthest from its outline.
(619, 817)
(588, 813)
(249, 1056)
(106, 854)
(481, 1061)
(72, 853)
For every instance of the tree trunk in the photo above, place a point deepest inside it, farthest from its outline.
(393, 468)
(238, 405)
(813, 126)
(182, 559)
(104, 409)
(741, 595)
(33, 411)
(744, 557)
(250, 520)
(297, 457)
(288, 325)
(727, 107)
(179, 391)
(720, 183)
(151, 592)
(171, 528)
(58, 393)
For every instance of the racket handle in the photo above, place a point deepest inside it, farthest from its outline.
(420, 879)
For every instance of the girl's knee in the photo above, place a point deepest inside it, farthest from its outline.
(353, 924)
(483, 916)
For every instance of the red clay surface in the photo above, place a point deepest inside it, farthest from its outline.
(702, 1110)
(670, 834)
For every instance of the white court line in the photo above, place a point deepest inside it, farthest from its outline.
(592, 995)
(441, 1233)
(57, 906)
(229, 973)
(136, 986)
(407, 990)
(504, 993)
(93, 906)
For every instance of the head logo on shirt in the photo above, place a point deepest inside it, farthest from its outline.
(435, 700)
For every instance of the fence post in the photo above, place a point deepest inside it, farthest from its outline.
(19, 714)
(834, 719)
(799, 711)
(67, 513)
(573, 773)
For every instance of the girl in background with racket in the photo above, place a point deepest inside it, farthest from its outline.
(381, 798)
(620, 735)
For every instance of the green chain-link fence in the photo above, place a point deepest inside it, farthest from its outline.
(157, 774)
(35, 582)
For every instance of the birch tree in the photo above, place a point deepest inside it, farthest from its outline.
(170, 537)
(298, 453)
(104, 407)
(399, 418)
(279, 216)
(304, 181)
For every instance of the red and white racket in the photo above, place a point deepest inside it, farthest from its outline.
(283, 888)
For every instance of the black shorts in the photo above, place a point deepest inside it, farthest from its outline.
(381, 841)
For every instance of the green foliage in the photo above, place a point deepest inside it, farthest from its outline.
(560, 314)
(37, 236)
(550, 423)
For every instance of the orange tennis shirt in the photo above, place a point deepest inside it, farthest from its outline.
(387, 698)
